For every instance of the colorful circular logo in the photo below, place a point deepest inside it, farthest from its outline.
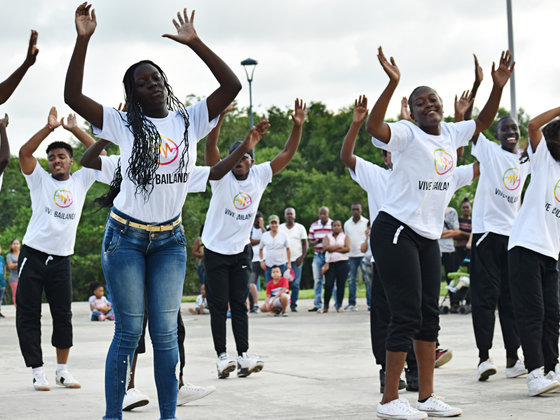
(557, 191)
(443, 161)
(242, 200)
(512, 179)
(63, 198)
(168, 151)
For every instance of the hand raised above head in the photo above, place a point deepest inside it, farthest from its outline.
(405, 112)
(71, 122)
(390, 67)
(478, 75)
(85, 23)
(501, 75)
(360, 110)
(185, 28)
(53, 118)
(229, 108)
(464, 103)
(257, 133)
(298, 116)
(4, 121)
(32, 49)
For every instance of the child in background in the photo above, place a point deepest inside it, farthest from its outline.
(201, 304)
(99, 305)
(277, 295)
(2, 281)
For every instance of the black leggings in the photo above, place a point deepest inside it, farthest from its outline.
(409, 267)
(338, 271)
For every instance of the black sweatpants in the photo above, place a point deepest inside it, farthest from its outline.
(38, 271)
(337, 273)
(449, 266)
(490, 288)
(380, 316)
(534, 289)
(227, 281)
(409, 266)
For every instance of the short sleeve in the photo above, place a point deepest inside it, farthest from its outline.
(199, 179)
(464, 132)
(401, 136)
(538, 157)
(86, 177)
(35, 178)
(261, 243)
(198, 300)
(365, 174)
(303, 232)
(286, 243)
(311, 232)
(114, 126)
(198, 119)
(482, 150)
(109, 165)
(264, 174)
(454, 219)
(91, 299)
(462, 176)
(269, 288)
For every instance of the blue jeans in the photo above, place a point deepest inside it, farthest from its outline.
(143, 267)
(95, 314)
(2, 290)
(368, 275)
(294, 285)
(200, 272)
(355, 262)
(267, 272)
(318, 262)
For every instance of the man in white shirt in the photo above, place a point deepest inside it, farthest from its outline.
(297, 238)
(256, 270)
(355, 228)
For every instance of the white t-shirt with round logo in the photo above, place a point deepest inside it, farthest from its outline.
(232, 210)
(170, 189)
(537, 225)
(498, 195)
(423, 165)
(57, 207)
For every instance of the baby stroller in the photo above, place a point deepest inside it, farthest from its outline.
(458, 291)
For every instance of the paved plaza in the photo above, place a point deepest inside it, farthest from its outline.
(317, 366)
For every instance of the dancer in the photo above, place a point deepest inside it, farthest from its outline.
(48, 244)
(534, 244)
(228, 253)
(157, 137)
(408, 225)
(4, 147)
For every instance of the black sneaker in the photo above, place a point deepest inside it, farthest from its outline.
(411, 379)
(254, 309)
(313, 310)
(2, 316)
(402, 384)
(293, 309)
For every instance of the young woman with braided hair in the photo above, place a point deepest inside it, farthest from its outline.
(144, 248)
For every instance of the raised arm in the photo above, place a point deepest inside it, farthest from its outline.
(229, 83)
(405, 112)
(291, 146)
(211, 152)
(376, 125)
(4, 145)
(8, 86)
(534, 127)
(478, 77)
(26, 159)
(360, 115)
(85, 138)
(73, 95)
(91, 157)
(224, 166)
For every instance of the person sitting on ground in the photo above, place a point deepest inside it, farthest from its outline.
(277, 295)
(100, 307)
(201, 303)
(337, 246)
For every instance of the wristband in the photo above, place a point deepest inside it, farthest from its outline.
(50, 127)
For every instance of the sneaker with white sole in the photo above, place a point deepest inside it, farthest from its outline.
(399, 409)
(443, 356)
(40, 382)
(248, 364)
(225, 365)
(63, 378)
(538, 384)
(435, 407)
(134, 399)
(486, 369)
(516, 370)
(351, 308)
(189, 393)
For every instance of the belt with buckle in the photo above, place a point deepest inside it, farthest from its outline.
(149, 228)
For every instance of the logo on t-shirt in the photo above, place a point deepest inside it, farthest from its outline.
(168, 151)
(512, 179)
(443, 161)
(242, 200)
(63, 198)
(557, 191)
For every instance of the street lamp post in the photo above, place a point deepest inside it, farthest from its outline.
(512, 79)
(251, 64)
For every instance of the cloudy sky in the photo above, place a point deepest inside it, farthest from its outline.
(318, 50)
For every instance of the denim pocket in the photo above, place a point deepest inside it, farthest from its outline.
(180, 239)
(111, 240)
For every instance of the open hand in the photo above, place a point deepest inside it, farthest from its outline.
(360, 110)
(4, 121)
(53, 118)
(501, 75)
(71, 122)
(185, 29)
(464, 103)
(405, 113)
(390, 67)
(478, 76)
(32, 50)
(256, 134)
(229, 108)
(298, 116)
(85, 23)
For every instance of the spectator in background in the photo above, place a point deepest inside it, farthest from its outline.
(12, 262)
(367, 269)
(447, 249)
(355, 228)
(2, 281)
(277, 248)
(317, 232)
(198, 253)
(297, 239)
(465, 226)
(201, 303)
(256, 270)
(277, 293)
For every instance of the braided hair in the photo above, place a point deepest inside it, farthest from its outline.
(106, 200)
(551, 133)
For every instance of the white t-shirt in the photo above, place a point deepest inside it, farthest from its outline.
(423, 165)
(256, 234)
(356, 232)
(197, 183)
(232, 210)
(295, 235)
(275, 248)
(1, 181)
(170, 190)
(201, 301)
(498, 195)
(57, 207)
(537, 225)
(92, 301)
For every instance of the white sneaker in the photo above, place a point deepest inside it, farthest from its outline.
(435, 407)
(189, 393)
(248, 364)
(554, 375)
(63, 378)
(224, 365)
(517, 370)
(486, 369)
(539, 384)
(134, 399)
(40, 382)
(399, 409)
(351, 308)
